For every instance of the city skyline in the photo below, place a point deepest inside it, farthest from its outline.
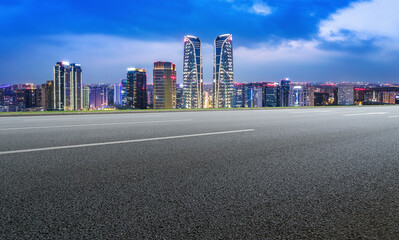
(320, 42)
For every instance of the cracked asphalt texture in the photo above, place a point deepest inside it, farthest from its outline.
(302, 174)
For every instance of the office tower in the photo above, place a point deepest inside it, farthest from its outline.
(136, 88)
(346, 94)
(111, 92)
(179, 96)
(164, 85)
(238, 95)
(67, 87)
(98, 97)
(192, 73)
(271, 93)
(118, 95)
(248, 96)
(49, 95)
(223, 75)
(124, 92)
(284, 92)
(86, 97)
(150, 95)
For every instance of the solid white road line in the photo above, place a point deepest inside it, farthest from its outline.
(94, 124)
(84, 117)
(122, 142)
(364, 114)
(396, 116)
(321, 111)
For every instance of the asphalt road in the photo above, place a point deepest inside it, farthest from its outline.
(328, 173)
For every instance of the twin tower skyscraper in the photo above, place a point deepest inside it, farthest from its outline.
(223, 74)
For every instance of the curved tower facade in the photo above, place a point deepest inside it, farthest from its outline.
(192, 73)
(223, 75)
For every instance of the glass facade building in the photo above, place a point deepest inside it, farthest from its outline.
(284, 92)
(67, 87)
(192, 73)
(223, 75)
(164, 85)
(136, 88)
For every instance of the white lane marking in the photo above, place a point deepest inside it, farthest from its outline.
(83, 117)
(364, 114)
(323, 111)
(122, 142)
(94, 124)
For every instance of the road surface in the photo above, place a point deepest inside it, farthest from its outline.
(329, 173)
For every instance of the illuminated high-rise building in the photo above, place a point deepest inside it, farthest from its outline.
(271, 94)
(223, 75)
(164, 85)
(136, 88)
(192, 73)
(284, 92)
(124, 93)
(67, 87)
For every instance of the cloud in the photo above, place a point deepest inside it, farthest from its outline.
(261, 8)
(376, 20)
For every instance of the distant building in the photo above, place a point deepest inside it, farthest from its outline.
(192, 73)
(321, 99)
(238, 93)
(118, 95)
(164, 85)
(329, 88)
(180, 96)
(86, 97)
(124, 92)
(223, 74)
(49, 95)
(67, 87)
(346, 94)
(358, 95)
(98, 97)
(150, 95)
(111, 92)
(284, 92)
(271, 95)
(136, 88)
(2, 93)
(297, 96)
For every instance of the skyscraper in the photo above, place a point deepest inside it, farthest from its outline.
(136, 88)
(223, 75)
(67, 86)
(284, 92)
(192, 73)
(271, 94)
(164, 85)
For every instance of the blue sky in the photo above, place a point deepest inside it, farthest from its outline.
(306, 40)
